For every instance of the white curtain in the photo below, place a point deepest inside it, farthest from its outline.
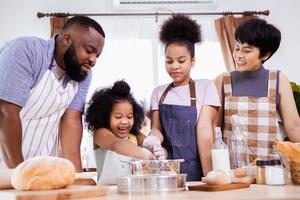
(122, 27)
(136, 27)
(207, 28)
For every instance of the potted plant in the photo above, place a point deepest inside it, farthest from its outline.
(296, 92)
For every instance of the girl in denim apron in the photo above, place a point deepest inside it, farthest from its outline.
(257, 95)
(182, 111)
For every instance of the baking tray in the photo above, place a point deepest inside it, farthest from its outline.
(148, 183)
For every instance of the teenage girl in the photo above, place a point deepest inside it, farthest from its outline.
(182, 111)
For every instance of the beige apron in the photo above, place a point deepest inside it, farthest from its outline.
(257, 115)
(111, 165)
(115, 165)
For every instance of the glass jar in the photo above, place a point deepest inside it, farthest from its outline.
(274, 173)
(260, 171)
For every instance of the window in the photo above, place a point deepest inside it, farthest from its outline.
(141, 63)
(125, 59)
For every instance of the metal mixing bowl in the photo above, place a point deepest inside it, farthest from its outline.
(151, 183)
(139, 167)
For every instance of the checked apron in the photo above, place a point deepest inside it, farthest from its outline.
(258, 118)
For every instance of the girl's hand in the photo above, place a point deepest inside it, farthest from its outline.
(151, 141)
(148, 155)
(159, 152)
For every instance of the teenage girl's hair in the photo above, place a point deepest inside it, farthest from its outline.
(181, 29)
(100, 106)
(261, 34)
(84, 22)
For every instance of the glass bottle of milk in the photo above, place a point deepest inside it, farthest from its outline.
(219, 152)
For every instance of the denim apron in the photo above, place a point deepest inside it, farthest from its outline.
(179, 131)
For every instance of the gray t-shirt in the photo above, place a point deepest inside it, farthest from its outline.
(23, 63)
(252, 83)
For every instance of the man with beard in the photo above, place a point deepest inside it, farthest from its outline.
(43, 88)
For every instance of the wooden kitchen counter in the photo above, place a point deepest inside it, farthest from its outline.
(253, 192)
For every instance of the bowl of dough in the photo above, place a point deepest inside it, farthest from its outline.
(170, 166)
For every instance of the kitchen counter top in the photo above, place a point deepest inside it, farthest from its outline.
(255, 191)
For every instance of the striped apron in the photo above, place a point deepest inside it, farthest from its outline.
(40, 117)
(42, 113)
(258, 118)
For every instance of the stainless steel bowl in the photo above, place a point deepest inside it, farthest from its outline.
(139, 167)
(151, 183)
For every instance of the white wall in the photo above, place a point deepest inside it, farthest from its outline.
(18, 18)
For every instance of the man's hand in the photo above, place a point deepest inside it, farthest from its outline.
(10, 134)
(70, 137)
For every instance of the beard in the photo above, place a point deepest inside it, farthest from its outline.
(72, 66)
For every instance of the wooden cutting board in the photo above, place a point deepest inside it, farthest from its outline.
(71, 192)
(213, 188)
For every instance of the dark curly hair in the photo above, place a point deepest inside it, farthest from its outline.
(100, 106)
(261, 34)
(181, 29)
(84, 22)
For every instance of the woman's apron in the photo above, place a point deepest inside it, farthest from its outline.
(179, 130)
(258, 117)
(41, 115)
(111, 165)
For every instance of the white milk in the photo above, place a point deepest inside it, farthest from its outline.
(220, 160)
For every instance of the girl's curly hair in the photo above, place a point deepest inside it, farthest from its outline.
(181, 29)
(100, 106)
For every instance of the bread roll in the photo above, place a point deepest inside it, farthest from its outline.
(240, 172)
(217, 177)
(43, 173)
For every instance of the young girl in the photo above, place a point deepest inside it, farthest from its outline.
(255, 93)
(115, 118)
(182, 112)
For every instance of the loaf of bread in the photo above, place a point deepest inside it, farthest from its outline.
(289, 149)
(43, 173)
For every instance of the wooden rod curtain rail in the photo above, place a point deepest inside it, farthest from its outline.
(40, 14)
